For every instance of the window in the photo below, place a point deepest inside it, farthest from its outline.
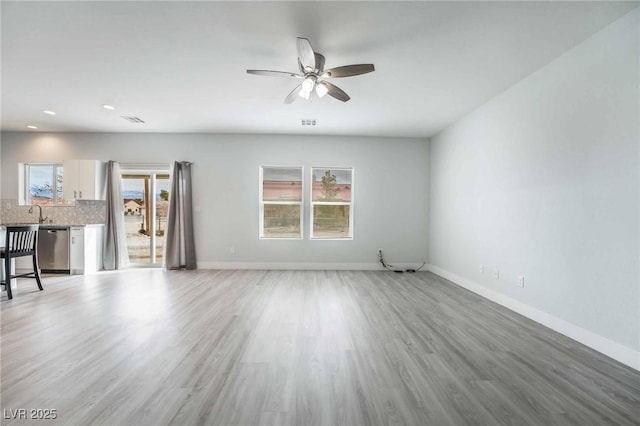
(146, 203)
(42, 184)
(145, 199)
(280, 202)
(331, 203)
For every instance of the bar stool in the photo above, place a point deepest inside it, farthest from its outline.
(20, 241)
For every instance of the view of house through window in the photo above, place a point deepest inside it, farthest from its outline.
(331, 203)
(280, 202)
(43, 183)
(146, 201)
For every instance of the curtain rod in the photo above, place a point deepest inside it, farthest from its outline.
(150, 166)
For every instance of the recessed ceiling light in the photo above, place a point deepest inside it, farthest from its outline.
(30, 126)
(46, 111)
(111, 107)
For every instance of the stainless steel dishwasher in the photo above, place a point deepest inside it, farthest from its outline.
(53, 249)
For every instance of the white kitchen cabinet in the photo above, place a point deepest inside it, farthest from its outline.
(85, 249)
(84, 180)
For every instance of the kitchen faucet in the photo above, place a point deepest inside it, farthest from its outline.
(40, 218)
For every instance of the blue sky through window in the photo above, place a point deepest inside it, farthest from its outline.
(134, 187)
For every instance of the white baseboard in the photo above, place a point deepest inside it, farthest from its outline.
(308, 266)
(599, 343)
(292, 266)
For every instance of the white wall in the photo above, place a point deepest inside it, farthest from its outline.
(543, 181)
(1, 221)
(391, 202)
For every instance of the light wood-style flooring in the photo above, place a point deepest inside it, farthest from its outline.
(294, 348)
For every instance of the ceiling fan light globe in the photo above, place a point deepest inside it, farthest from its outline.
(304, 94)
(307, 84)
(321, 90)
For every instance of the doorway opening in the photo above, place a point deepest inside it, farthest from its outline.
(146, 202)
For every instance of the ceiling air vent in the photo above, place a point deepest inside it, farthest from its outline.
(308, 122)
(133, 119)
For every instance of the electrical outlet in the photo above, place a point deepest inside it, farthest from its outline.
(520, 281)
(232, 250)
(496, 274)
(482, 269)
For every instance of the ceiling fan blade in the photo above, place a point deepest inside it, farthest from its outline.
(305, 53)
(293, 95)
(335, 91)
(349, 70)
(319, 63)
(273, 73)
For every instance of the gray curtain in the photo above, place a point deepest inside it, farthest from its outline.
(114, 254)
(180, 249)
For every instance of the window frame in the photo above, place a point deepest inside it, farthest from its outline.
(153, 172)
(25, 183)
(331, 203)
(262, 202)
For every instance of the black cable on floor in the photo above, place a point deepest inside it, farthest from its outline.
(389, 267)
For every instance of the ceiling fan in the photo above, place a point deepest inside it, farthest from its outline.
(311, 66)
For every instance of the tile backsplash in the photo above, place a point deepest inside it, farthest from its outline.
(84, 212)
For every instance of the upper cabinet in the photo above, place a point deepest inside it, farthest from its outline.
(84, 180)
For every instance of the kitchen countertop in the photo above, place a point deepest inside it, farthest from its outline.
(64, 225)
(54, 225)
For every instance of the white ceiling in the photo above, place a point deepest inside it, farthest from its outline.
(180, 66)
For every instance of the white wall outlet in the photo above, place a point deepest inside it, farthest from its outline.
(482, 269)
(496, 274)
(232, 250)
(520, 281)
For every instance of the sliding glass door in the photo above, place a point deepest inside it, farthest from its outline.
(146, 200)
